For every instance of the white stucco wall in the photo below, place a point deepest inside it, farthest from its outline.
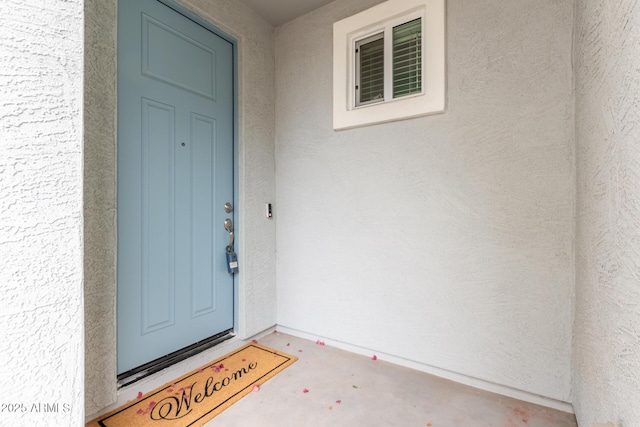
(256, 234)
(446, 240)
(607, 326)
(41, 360)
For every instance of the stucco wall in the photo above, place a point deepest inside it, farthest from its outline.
(41, 361)
(256, 234)
(448, 239)
(100, 203)
(607, 326)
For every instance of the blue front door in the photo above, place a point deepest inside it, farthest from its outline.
(175, 175)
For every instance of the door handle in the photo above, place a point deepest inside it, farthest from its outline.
(228, 225)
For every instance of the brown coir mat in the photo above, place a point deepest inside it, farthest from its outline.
(198, 396)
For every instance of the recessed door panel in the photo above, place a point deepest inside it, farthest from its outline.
(157, 176)
(177, 59)
(203, 132)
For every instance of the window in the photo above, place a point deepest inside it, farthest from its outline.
(370, 70)
(407, 58)
(406, 64)
(389, 65)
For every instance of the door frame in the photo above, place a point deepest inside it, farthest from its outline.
(172, 4)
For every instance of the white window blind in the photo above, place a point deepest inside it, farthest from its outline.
(407, 58)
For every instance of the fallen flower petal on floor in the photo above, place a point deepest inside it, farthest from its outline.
(305, 391)
(338, 401)
(320, 342)
(288, 344)
(254, 341)
(299, 351)
(374, 357)
(256, 388)
(139, 395)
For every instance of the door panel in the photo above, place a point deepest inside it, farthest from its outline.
(175, 173)
(203, 130)
(158, 262)
(192, 65)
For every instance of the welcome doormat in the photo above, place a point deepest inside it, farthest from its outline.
(198, 396)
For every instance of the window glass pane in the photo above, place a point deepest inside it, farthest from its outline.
(407, 58)
(371, 70)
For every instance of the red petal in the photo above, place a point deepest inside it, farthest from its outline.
(256, 388)
(139, 395)
(254, 341)
(305, 391)
(374, 357)
(338, 401)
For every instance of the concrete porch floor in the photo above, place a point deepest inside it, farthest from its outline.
(372, 393)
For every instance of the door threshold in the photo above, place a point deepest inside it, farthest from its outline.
(136, 374)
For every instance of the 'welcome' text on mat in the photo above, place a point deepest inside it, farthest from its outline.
(202, 394)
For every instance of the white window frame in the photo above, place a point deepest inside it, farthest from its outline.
(382, 18)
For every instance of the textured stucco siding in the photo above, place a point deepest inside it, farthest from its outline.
(607, 326)
(41, 359)
(448, 239)
(100, 203)
(255, 233)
